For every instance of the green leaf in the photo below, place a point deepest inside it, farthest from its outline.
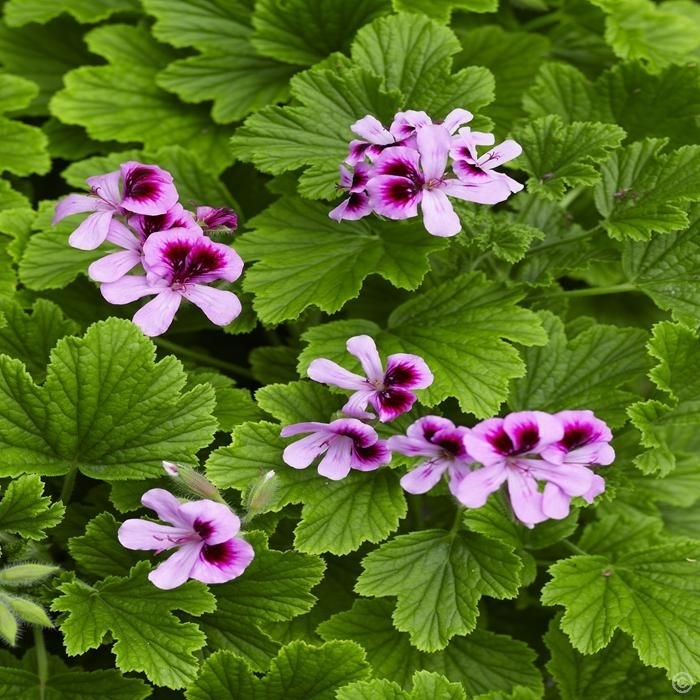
(340, 516)
(586, 372)
(275, 587)
(273, 364)
(98, 551)
(649, 592)
(26, 611)
(21, 12)
(642, 191)
(639, 30)
(25, 574)
(106, 408)
(441, 10)
(439, 578)
(481, 662)
(135, 110)
(306, 258)
(297, 402)
(23, 681)
(16, 92)
(23, 148)
(557, 155)
(30, 338)
(615, 674)
(148, 636)
(670, 428)
(663, 268)
(303, 32)
(42, 54)
(299, 672)
(426, 686)
(25, 511)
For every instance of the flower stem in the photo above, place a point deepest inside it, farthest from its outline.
(42, 661)
(458, 520)
(596, 291)
(573, 548)
(68, 484)
(203, 358)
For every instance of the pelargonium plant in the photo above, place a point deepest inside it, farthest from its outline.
(350, 350)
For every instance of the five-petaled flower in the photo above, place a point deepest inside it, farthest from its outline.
(347, 442)
(204, 533)
(388, 391)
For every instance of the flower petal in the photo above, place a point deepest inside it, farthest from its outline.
(219, 305)
(391, 403)
(424, 477)
(127, 289)
(329, 372)
(214, 522)
(147, 189)
(433, 145)
(456, 118)
(302, 453)
(75, 204)
(175, 570)
(525, 498)
(222, 562)
(166, 507)
(92, 232)
(114, 266)
(555, 503)
(155, 317)
(355, 207)
(364, 349)
(480, 483)
(335, 465)
(371, 457)
(144, 534)
(500, 154)
(439, 217)
(372, 130)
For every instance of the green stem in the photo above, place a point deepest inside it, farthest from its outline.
(458, 520)
(563, 241)
(42, 661)
(543, 21)
(204, 359)
(415, 505)
(68, 484)
(595, 291)
(573, 548)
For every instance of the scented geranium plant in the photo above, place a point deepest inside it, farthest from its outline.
(349, 350)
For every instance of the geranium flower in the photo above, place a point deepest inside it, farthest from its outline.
(348, 444)
(204, 533)
(388, 391)
(375, 137)
(357, 204)
(133, 189)
(217, 219)
(179, 263)
(440, 440)
(403, 178)
(510, 450)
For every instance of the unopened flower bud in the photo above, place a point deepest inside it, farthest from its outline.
(193, 481)
(261, 494)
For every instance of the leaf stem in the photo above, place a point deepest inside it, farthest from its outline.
(595, 291)
(573, 548)
(458, 520)
(68, 484)
(203, 358)
(42, 661)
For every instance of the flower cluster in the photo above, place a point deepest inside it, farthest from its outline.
(204, 533)
(136, 208)
(544, 459)
(396, 169)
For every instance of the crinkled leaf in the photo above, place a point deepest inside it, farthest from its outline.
(25, 511)
(148, 636)
(275, 587)
(614, 674)
(557, 155)
(105, 407)
(111, 107)
(649, 592)
(426, 686)
(590, 371)
(339, 516)
(481, 662)
(303, 32)
(273, 364)
(23, 148)
(441, 10)
(16, 92)
(305, 258)
(298, 402)
(21, 12)
(439, 578)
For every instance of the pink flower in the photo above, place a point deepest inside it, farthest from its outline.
(388, 391)
(220, 220)
(375, 137)
(348, 444)
(357, 204)
(204, 533)
(179, 264)
(133, 189)
(443, 443)
(510, 450)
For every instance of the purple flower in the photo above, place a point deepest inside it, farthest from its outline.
(176, 217)
(443, 443)
(404, 177)
(133, 189)
(375, 137)
(204, 533)
(585, 440)
(406, 124)
(510, 450)
(179, 263)
(347, 442)
(388, 391)
(221, 219)
(357, 204)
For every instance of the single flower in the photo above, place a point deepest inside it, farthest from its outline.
(204, 533)
(133, 189)
(217, 219)
(357, 204)
(389, 392)
(443, 443)
(179, 264)
(510, 450)
(347, 443)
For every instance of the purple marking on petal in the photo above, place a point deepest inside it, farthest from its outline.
(531, 431)
(355, 207)
(399, 162)
(407, 372)
(213, 522)
(222, 562)
(394, 197)
(372, 457)
(213, 218)
(147, 189)
(428, 426)
(391, 403)
(500, 154)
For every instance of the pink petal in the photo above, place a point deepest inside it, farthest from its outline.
(525, 498)
(456, 118)
(106, 187)
(407, 371)
(531, 431)
(222, 562)
(391, 403)
(114, 266)
(329, 372)
(597, 487)
(166, 507)
(500, 154)
(483, 442)
(439, 217)
(424, 428)
(127, 289)
(302, 453)
(433, 145)
(573, 479)
(366, 459)
(176, 569)
(491, 191)
(406, 123)
(394, 197)
(555, 503)
(122, 236)
(357, 404)
(335, 465)
(219, 305)
(155, 317)
(364, 349)
(147, 189)
(413, 446)
(75, 204)
(399, 161)
(480, 483)
(424, 477)
(92, 232)
(308, 427)
(144, 534)
(215, 520)
(372, 130)
(355, 207)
